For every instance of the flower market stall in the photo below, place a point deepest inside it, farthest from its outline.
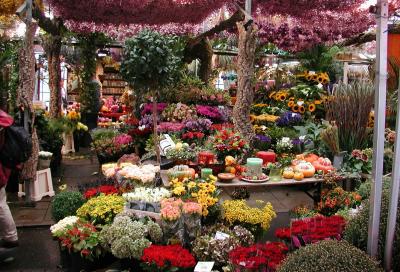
(263, 159)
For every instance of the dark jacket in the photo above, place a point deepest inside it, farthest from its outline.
(5, 121)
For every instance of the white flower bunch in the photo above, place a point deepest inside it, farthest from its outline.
(147, 194)
(144, 174)
(45, 155)
(61, 225)
(284, 145)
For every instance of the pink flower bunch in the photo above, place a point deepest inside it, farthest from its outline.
(360, 154)
(192, 208)
(171, 209)
(148, 108)
(208, 111)
(170, 127)
(123, 139)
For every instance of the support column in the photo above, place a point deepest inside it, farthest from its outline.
(379, 128)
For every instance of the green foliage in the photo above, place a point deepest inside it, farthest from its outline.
(66, 204)
(152, 61)
(9, 56)
(276, 133)
(356, 231)
(320, 58)
(312, 132)
(103, 133)
(328, 255)
(49, 133)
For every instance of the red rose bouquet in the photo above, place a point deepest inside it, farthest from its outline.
(167, 258)
(258, 257)
(228, 143)
(313, 229)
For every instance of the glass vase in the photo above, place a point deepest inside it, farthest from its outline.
(275, 174)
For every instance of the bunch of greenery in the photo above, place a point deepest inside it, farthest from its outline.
(66, 204)
(356, 231)
(330, 255)
(9, 56)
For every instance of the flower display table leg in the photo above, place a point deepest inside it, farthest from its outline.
(42, 186)
(69, 146)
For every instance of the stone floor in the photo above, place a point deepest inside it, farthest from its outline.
(39, 252)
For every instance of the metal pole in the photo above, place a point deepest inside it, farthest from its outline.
(394, 194)
(247, 6)
(379, 128)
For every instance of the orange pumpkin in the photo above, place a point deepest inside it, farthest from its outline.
(298, 175)
(311, 157)
(323, 164)
(306, 168)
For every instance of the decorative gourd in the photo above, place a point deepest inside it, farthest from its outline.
(323, 164)
(306, 168)
(288, 173)
(298, 175)
(296, 162)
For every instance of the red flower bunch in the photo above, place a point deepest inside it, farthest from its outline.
(193, 137)
(162, 258)
(219, 127)
(103, 189)
(259, 256)
(83, 238)
(311, 230)
(226, 142)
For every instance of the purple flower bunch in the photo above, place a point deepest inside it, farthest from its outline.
(201, 124)
(170, 127)
(289, 118)
(263, 138)
(262, 142)
(148, 108)
(147, 121)
(211, 112)
(226, 114)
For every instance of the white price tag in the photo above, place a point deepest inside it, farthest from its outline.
(166, 144)
(221, 235)
(204, 267)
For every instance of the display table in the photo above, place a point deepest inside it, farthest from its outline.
(305, 185)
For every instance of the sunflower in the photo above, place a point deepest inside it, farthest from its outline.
(282, 97)
(291, 103)
(311, 107)
(320, 79)
(314, 77)
(291, 98)
(317, 102)
(309, 77)
(302, 109)
(271, 94)
(295, 108)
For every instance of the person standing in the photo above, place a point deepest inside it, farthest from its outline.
(8, 230)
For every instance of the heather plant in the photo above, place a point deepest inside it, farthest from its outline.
(328, 255)
(65, 204)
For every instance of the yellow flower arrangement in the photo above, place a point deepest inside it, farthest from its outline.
(319, 78)
(74, 116)
(311, 107)
(264, 118)
(237, 211)
(101, 209)
(204, 192)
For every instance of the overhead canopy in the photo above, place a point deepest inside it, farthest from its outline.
(292, 24)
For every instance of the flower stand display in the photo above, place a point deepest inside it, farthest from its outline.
(41, 187)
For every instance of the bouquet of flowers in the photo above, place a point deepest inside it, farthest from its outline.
(144, 194)
(171, 223)
(182, 152)
(191, 220)
(80, 237)
(255, 219)
(200, 124)
(289, 119)
(203, 192)
(284, 145)
(45, 155)
(110, 147)
(130, 173)
(210, 112)
(127, 237)
(61, 226)
(193, 137)
(167, 258)
(337, 199)
(227, 143)
(360, 161)
(259, 257)
(311, 230)
(101, 209)
(148, 108)
(209, 246)
(262, 142)
(179, 112)
(170, 127)
(103, 189)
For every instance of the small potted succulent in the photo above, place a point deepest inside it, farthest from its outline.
(44, 160)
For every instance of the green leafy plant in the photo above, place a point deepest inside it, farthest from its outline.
(330, 255)
(356, 231)
(66, 204)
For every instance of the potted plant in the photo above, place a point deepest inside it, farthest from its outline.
(44, 160)
(182, 153)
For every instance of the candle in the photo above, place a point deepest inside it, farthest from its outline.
(254, 162)
(266, 156)
(206, 172)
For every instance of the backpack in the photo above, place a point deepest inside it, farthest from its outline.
(17, 146)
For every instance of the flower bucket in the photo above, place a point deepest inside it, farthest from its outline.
(275, 175)
(44, 163)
